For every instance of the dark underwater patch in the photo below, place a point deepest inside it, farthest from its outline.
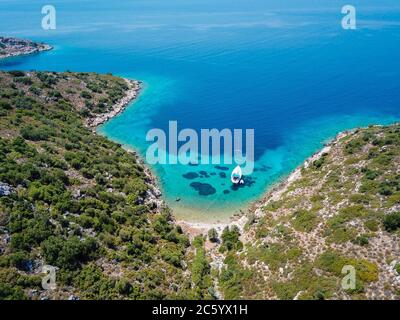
(222, 175)
(263, 168)
(190, 175)
(221, 168)
(226, 191)
(204, 174)
(204, 189)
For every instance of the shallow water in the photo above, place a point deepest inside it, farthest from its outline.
(287, 70)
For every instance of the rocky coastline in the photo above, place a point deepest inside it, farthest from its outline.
(131, 94)
(13, 47)
(275, 192)
(153, 196)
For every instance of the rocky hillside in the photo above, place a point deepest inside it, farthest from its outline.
(342, 207)
(73, 200)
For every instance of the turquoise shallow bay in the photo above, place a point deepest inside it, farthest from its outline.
(288, 70)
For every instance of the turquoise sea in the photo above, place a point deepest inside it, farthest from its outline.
(283, 68)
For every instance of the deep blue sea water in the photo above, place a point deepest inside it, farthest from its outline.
(284, 68)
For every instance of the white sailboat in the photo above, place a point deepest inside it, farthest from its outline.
(236, 176)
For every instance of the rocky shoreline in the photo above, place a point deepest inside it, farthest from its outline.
(131, 94)
(154, 193)
(281, 187)
(196, 228)
(13, 47)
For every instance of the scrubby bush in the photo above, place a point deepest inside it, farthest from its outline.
(201, 270)
(24, 80)
(17, 73)
(86, 95)
(391, 221)
(47, 79)
(213, 235)
(362, 240)
(36, 134)
(171, 254)
(334, 262)
(5, 105)
(69, 253)
(304, 220)
(230, 239)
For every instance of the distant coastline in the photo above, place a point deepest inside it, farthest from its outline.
(14, 47)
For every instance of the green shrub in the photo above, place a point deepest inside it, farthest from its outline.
(17, 73)
(230, 239)
(86, 95)
(4, 105)
(391, 221)
(362, 240)
(200, 269)
(304, 220)
(372, 225)
(333, 262)
(9, 292)
(19, 260)
(171, 254)
(24, 80)
(317, 164)
(36, 134)
(354, 146)
(69, 253)
(213, 235)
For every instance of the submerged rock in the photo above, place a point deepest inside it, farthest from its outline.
(204, 189)
(190, 175)
(204, 174)
(222, 168)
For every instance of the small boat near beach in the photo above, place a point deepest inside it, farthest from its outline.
(236, 176)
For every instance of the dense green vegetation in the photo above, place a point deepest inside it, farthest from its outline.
(230, 239)
(80, 202)
(201, 271)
